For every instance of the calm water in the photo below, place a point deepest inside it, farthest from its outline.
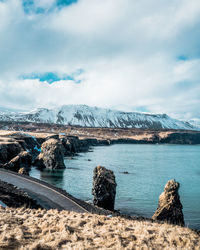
(149, 167)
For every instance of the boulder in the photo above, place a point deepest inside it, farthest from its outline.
(23, 159)
(104, 188)
(51, 156)
(23, 171)
(169, 205)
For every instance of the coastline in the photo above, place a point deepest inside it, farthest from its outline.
(82, 144)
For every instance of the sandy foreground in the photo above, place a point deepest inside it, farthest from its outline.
(40, 229)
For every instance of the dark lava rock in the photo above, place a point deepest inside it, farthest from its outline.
(104, 188)
(23, 159)
(27, 141)
(125, 172)
(73, 145)
(182, 138)
(51, 156)
(15, 197)
(23, 171)
(70, 145)
(8, 150)
(169, 205)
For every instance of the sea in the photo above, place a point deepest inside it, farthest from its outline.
(141, 173)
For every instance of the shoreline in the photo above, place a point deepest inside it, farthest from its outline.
(79, 144)
(53, 229)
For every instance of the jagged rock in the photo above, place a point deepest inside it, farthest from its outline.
(8, 149)
(23, 171)
(23, 159)
(51, 156)
(169, 205)
(69, 147)
(104, 188)
(73, 145)
(28, 143)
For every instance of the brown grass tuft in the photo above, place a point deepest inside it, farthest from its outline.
(40, 229)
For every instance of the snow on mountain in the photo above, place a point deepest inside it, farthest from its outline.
(195, 122)
(82, 115)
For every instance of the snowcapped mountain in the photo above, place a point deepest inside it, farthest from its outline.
(82, 115)
(195, 122)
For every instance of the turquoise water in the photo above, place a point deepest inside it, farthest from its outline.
(149, 167)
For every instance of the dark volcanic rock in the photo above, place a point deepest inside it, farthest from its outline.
(15, 197)
(8, 150)
(51, 156)
(23, 171)
(70, 145)
(104, 188)
(73, 145)
(169, 205)
(23, 159)
(182, 138)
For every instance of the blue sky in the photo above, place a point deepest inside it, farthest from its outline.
(52, 77)
(130, 55)
(44, 7)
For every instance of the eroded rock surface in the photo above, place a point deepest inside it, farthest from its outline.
(51, 156)
(8, 149)
(169, 205)
(104, 188)
(22, 160)
(23, 171)
(15, 197)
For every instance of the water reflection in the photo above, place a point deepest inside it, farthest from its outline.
(73, 168)
(53, 177)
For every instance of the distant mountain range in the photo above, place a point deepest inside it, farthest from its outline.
(82, 115)
(195, 123)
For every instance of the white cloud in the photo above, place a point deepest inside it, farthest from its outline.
(128, 49)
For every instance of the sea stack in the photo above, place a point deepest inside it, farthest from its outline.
(104, 188)
(51, 156)
(169, 205)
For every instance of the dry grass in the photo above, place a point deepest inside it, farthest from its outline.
(39, 229)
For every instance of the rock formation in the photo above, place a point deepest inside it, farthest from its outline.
(169, 205)
(22, 160)
(73, 145)
(104, 188)
(23, 171)
(9, 148)
(51, 156)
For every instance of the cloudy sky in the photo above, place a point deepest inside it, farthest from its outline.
(123, 54)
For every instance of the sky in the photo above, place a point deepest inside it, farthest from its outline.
(123, 54)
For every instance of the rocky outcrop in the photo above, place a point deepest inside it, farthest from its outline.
(23, 171)
(169, 206)
(8, 149)
(15, 197)
(73, 145)
(104, 188)
(22, 160)
(182, 138)
(27, 141)
(51, 156)
(70, 144)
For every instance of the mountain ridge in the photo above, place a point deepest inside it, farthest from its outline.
(86, 116)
